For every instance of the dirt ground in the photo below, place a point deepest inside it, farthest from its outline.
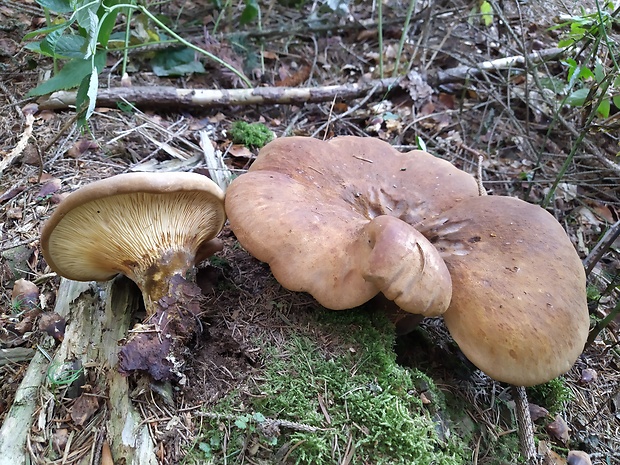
(496, 122)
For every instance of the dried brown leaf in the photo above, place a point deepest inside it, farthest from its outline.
(84, 408)
(558, 430)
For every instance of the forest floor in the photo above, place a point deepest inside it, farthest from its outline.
(501, 122)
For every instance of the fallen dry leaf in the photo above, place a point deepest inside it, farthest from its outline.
(83, 408)
(53, 324)
(49, 188)
(25, 295)
(548, 456)
(59, 439)
(578, 457)
(558, 430)
(81, 147)
(537, 412)
(588, 375)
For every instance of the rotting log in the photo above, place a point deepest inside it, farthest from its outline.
(97, 318)
(92, 336)
(19, 419)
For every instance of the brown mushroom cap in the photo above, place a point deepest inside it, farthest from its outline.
(144, 225)
(518, 309)
(333, 219)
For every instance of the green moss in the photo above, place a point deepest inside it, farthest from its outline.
(553, 395)
(254, 135)
(341, 378)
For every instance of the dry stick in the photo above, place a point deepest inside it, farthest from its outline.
(21, 145)
(15, 355)
(171, 96)
(460, 73)
(603, 246)
(267, 422)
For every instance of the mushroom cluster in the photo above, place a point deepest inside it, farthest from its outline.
(151, 227)
(350, 218)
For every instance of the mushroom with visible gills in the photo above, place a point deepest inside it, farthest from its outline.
(151, 227)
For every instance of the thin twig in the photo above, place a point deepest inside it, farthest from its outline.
(601, 247)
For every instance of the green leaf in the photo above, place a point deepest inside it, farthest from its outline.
(47, 30)
(604, 108)
(616, 100)
(259, 417)
(578, 98)
(599, 72)
(70, 46)
(566, 43)
(486, 13)
(206, 450)
(84, 9)
(241, 423)
(58, 6)
(69, 77)
(176, 62)
(48, 45)
(250, 12)
(86, 105)
(107, 24)
(585, 73)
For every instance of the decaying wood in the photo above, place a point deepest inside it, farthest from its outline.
(172, 97)
(97, 319)
(21, 414)
(92, 337)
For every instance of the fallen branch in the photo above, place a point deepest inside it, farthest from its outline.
(171, 96)
(461, 73)
(15, 355)
(29, 111)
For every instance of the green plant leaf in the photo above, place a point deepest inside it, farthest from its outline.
(578, 98)
(70, 46)
(250, 12)
(206, 450)
(259, 417)
(48, 45)
(176, 62)
(486, 13)
(616, 100)
(47, 30)
(58, 6)
(604, 108)
(599, 72)
(241, 423)
(70, 76)
(106, 26)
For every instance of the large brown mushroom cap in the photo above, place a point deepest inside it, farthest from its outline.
(144, 225)
(333, 219)
(518, 309)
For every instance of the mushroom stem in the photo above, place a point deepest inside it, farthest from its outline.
(154, 346)
(524, 425)
(173, 306)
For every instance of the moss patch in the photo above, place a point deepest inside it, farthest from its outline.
(339, 386)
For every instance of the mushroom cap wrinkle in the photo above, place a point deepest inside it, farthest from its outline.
(135, 224)
(334, 219)
(518, 309)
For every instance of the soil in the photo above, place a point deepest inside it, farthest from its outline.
(496, 123)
